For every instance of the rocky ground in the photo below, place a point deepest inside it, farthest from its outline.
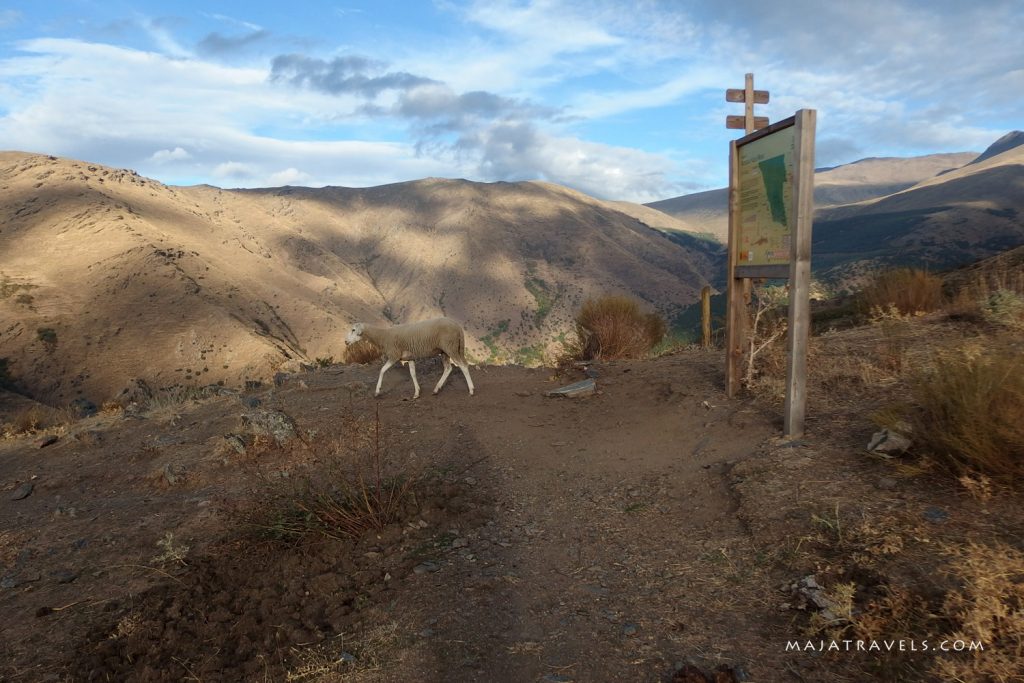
(651, 531)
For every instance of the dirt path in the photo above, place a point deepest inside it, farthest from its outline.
(613, 552)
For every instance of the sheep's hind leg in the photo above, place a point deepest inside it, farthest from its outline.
(387, 365)
(412, 373)
(464, 366)
(444, 375)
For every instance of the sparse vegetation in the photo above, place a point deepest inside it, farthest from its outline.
(541, 294)
(324, 362)
(361, 353)
(767, 327)
(969, 410)
(47, 335)
(363, 491)
(910, 290)
(614, 327)
(989, 607)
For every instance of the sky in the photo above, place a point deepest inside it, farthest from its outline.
(621, 100)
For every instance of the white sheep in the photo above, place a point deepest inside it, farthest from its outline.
(417, 340)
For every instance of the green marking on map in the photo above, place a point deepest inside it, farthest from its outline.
(773, 174)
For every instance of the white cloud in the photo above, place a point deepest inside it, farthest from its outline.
(289, 176)
(234, 170)
(164, 156)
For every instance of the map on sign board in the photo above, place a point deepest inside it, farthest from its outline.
(766, 198)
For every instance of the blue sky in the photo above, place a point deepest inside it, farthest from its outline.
(622, 100)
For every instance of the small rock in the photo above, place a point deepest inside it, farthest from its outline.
(272, 422)
(250, 401)
(236, 442)
(888, 442)
(23, 491)
(372, 555)
(83, 407)
(426, 568)
(886, 483)
(630, 630)
(65, 575)
(45, 441)
(936, 515)
(524, 394)
(556, 678)
(583, 388)
(173, 473)
(426, 633)
(136, 392)
(460, 543)
(348, 658)
(280, 378)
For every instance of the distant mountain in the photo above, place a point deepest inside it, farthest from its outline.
(865, 179)
(106, 275)
(1009, 141)
(949, 220)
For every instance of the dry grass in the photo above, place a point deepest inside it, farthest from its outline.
(361, 353)
(908, 289)
(989, 607)
(359, 489)
(346, 657)
(969, 410)
(614, 327)
(35, 420)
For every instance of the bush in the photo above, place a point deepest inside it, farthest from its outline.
(908, 289)
(970, 412)
(1005, 308)
(614, 327)
(362, 352)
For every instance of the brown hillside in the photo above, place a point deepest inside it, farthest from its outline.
(108, 275)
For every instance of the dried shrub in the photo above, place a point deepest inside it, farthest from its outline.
(908, 289)
(27, 421)
(614, 327)
(988, 608)
(359, 490)
(987, 294)
(362, 352)
(969, 411)
(1004, 308)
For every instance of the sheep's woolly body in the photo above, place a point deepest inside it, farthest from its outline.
(419, 340)
(408, 342)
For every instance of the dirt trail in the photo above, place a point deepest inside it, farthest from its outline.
(612, 514)
(589, 539)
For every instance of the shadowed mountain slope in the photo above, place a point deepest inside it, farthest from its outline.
(108, 275)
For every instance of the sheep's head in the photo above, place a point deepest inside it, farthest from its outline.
(355, 334)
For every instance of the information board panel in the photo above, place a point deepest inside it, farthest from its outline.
(765, 193)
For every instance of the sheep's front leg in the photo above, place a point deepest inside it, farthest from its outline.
(412, 373)
(444, 375)
(387, 365)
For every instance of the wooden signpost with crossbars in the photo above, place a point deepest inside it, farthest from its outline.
(771, 202)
